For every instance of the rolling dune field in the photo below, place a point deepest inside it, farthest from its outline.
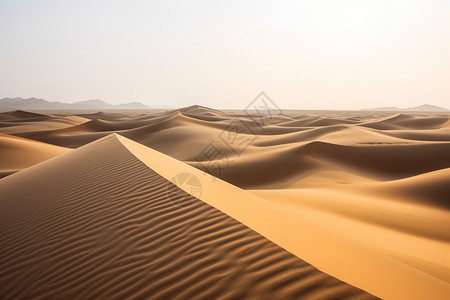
(198, 203)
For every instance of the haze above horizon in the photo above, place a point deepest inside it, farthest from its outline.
(304, 54)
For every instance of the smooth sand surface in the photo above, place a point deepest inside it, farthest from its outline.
(19, 153)
(362, 196)
(106, 226)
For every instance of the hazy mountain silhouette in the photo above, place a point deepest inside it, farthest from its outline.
(41, 104)
(424, 107)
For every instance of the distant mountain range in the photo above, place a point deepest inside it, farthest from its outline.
(425, 107)
(41, 104)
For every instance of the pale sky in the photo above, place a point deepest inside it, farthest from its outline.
(317, 54)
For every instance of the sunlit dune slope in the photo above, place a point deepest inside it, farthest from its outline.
(19, 153)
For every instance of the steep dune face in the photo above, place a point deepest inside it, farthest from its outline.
(98, 223)
(18, 153)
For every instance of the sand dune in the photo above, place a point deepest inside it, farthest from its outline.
(284, 224)
(21, 121)
(20, 115)
(428, 189)
(373, 187)
(19, 153)
(406, 121)
(104, 227)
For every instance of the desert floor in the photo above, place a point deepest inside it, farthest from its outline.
(198, 203)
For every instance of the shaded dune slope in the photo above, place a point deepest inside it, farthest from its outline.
(99, 224)
(282, 166)
(428, 189)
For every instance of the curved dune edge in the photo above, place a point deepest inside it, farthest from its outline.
(351, 262)
(17, 153)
